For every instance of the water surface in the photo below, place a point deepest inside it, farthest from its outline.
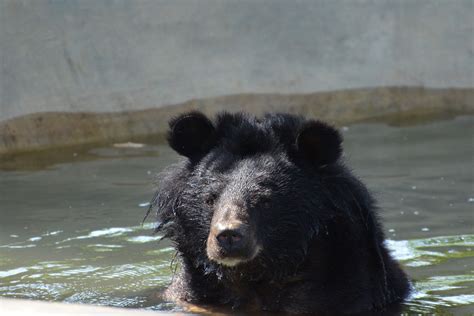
(72, 232)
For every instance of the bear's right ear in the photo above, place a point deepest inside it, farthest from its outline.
(191, 134)
(319, 142)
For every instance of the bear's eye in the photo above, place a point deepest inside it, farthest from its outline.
(265, 203)
(211, 199)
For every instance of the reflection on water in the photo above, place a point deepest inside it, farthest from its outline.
(72, 232)
(433, 252)
(91, 276)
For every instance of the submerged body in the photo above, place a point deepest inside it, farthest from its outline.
(265, 216)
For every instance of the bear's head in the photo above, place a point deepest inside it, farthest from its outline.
(250, 194)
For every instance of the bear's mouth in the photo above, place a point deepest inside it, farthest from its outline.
(229, 262)
(223, 258)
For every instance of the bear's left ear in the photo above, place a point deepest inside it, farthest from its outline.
(320, 143)
(192, 135)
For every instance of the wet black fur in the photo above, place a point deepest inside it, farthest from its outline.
(323, 245)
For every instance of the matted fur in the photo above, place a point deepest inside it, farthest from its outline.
(322, 246)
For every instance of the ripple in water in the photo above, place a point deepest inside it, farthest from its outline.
(135, 281)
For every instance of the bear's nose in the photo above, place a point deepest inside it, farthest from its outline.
(230, 239)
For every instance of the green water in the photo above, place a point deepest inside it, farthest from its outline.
(70, 228)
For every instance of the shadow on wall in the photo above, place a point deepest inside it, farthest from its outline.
(396, 105)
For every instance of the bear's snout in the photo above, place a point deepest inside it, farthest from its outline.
(231, 239)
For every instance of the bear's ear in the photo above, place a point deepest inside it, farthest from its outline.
(191, 134)
(320, 143)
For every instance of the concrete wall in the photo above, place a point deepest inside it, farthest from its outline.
(104, 55)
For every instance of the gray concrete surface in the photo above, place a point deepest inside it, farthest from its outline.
(97, 55)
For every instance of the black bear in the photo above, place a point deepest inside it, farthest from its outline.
(265, 216)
